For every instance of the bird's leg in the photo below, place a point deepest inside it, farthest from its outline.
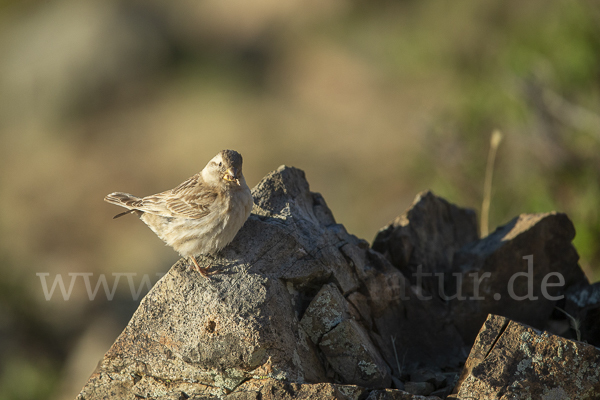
(198, 268)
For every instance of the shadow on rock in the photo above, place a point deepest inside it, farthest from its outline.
(296, 305)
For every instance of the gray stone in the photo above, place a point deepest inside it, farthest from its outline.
(206, 337)
(242, 322)
(354, 357)
(297, 303)
(272, 389)
(422, 375)
(361, 303)
(424, 238)
(428, 234)
(496, 259)
(324, 312)
(509, 357)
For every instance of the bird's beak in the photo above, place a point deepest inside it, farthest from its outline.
(231, 175)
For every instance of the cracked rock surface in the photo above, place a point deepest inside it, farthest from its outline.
(534, 365)
(200, 338)
(299, 308)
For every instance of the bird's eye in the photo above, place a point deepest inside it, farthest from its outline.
(220, 164)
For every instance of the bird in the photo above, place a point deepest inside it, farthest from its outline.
(200, 216)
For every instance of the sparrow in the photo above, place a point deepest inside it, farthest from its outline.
(200, 216)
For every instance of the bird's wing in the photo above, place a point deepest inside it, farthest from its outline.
(187, 185)
(129, 201)
(123, 199)
(192, 199)
(194, 205)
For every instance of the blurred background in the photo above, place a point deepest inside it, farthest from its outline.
(375, 100)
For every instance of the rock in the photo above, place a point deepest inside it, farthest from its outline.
(428, 234)
(390, 394)
(243, 321)
(325, 311)
(419, 388)
(360, 303)
(345, 344)
(442, 393)
(354, 357)
(299, 308)
(435, 245)
(437, 379)
(411, 332)
(513, 359)
(397, 383)
(271, 389)
(428, 382)
(583, 304)
(206, 337)
(515, 272)
(423, 240)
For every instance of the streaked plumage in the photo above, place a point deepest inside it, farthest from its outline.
(201, 215)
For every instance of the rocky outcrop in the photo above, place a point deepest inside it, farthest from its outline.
(513, 360)
(520, 270)
(299, 308)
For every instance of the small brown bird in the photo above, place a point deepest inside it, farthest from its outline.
(200, 216)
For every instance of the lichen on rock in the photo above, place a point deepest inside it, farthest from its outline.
(297, 307)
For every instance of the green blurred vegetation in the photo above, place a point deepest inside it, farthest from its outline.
(24, 379)
(376, 101)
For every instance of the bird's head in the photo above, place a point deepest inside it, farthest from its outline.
(224, 168)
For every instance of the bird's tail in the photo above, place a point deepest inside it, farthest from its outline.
(126, 200)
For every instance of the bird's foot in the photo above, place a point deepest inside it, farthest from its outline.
(202, 271)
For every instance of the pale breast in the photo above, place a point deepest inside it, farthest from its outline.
(206, 235)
